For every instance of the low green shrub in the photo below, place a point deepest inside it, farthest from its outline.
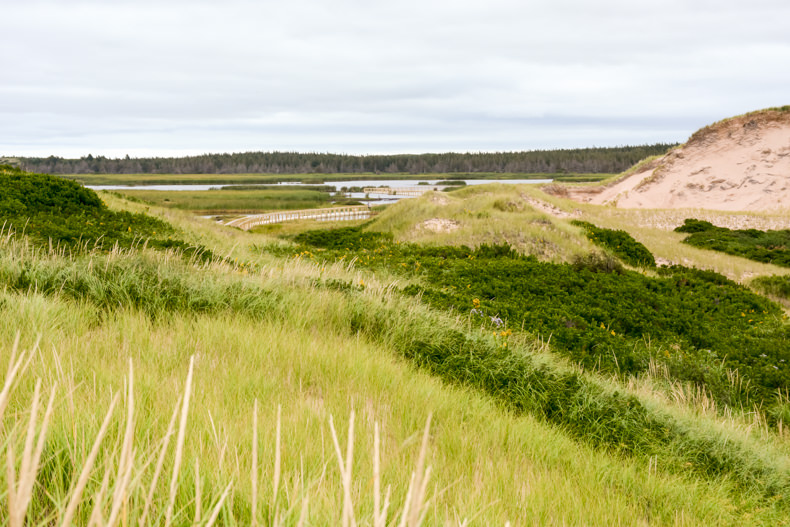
(582, 406)
(57, 211)
(348, 238)
(771, 246)
(619, 243)
(597, 263)
(697, 323)
(452, 182)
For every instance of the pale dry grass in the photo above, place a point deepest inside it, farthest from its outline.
(115, 501)
(488, 464)
(487, 214)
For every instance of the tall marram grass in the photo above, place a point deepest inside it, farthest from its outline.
(488, 465)
(522, 380)
(119, 482)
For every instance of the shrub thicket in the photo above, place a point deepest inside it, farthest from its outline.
(346, 238)
(581, 405)
(619, 243)
(54, 210)
(695, 322)
(762, 246)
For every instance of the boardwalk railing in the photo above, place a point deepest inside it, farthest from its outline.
(334, 214)
(401, 191)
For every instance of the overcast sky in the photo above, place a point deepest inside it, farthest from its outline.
(408, 76)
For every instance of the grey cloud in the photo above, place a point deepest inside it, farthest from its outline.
(354, 75)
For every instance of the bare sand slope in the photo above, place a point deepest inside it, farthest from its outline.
(740, 164)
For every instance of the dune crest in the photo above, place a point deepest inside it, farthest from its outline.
(739, 164)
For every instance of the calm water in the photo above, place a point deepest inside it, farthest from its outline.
(338, 184)
(373, 199)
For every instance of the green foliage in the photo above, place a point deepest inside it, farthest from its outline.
(346, 238)
(619, 243)
(583, 407)
(603, 317)
(31, 194)
(53, 210)
(590, 160)
(452, 182)
(692, 225)
(776, 285)
(762, 246)
(598, 263)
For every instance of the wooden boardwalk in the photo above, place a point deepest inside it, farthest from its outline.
(351, 212)
(418, 190)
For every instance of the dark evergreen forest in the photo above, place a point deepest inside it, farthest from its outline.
(582, 160)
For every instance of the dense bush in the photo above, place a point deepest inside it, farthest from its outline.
(54, 210)
(762, 246)
(598, 314)
(619, 243)
(30, 194)
(348, 238)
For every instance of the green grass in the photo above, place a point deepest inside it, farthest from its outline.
(328, 352)
(518, 433)
(216, 201)
(597, 314)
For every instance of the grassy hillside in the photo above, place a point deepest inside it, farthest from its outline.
(517, 433)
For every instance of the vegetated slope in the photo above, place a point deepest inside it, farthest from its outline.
(590, 160)
(595, 312)
(486, 214)
(570, 448)
(318, 353)
(760, 246)
(65, 214)
(739, 164)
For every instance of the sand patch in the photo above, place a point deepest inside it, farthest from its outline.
(741, 164)
(438, 198)
(550, 209)
(670, 219)
(439, 225)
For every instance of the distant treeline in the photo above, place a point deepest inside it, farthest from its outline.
(582, 160)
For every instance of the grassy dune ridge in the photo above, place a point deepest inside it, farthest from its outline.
(428, 341)
(518, 435)
(339, 371)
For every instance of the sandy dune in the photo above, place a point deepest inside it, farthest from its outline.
(740, 164)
